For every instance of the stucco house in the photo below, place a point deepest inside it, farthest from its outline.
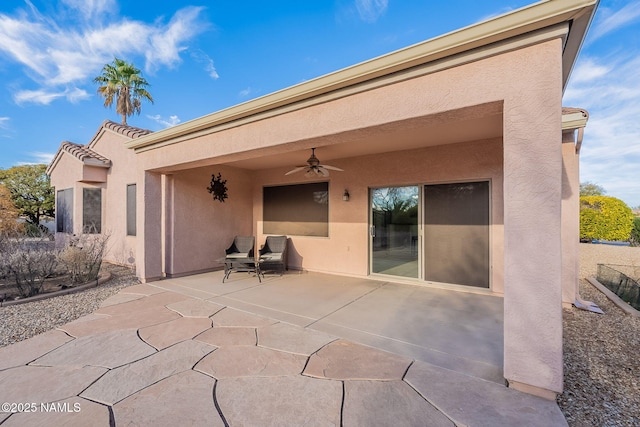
(459, 161)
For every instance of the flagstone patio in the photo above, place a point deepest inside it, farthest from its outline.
(302, 349)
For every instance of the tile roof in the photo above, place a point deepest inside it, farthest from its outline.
(570, 110)
(84, 154)
(126, 130)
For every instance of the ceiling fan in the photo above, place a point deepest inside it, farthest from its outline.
(313, 168)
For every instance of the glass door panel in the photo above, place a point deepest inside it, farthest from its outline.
(395, 245)
(456, 233)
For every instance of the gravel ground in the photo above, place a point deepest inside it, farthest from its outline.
(19, 322)
(602, 373)
(601, 352)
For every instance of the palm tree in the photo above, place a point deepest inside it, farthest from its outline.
(124, 82)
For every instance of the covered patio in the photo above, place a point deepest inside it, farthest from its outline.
(462, 332)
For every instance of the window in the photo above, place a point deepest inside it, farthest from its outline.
(92, 210)
(64, 211)
(297, 210)
(131, 210)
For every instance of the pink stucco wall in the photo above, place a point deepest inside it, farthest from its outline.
(526, 207)
(71, 173)
(570, 218)
(121, 248)
(345, 251)
(202, 227)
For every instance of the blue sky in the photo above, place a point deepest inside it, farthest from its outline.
(200, 59)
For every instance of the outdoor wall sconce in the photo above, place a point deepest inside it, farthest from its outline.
(345, 196)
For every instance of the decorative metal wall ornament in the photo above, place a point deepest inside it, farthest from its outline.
(218, 187)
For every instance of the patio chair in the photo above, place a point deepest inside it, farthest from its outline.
(273, 254)
(242, 247)
(236, 256)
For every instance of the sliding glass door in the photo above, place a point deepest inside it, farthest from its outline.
(438, 233)
(395, 247)
(456, 233)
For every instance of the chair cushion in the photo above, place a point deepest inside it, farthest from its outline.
(238, 255)
(271, 256)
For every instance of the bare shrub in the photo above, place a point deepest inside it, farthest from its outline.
(28, 262)
(82, 256)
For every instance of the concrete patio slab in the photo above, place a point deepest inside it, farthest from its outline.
(462, 324)
(169, 333)
(27, 383)
(232, 317)
(184, 399)
(122, 382)
(142, 289)
(473, 401)
(346, 360)
(211, 283)
(107, 349)
(292, 339)
(241, 361)
(280, 401)
(310, 296)
(26, 351)
(228, 336)
(195, 308)
(388, 403)
(72, 412)
(173, 285)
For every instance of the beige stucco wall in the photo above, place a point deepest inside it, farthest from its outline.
(528, 83)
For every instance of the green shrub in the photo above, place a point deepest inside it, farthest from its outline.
(634, 239)
(605, 218)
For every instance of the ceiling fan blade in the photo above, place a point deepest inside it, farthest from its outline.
(322, 171)
(333, 168)
(297, 169)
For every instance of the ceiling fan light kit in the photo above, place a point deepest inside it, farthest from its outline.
(313, 168)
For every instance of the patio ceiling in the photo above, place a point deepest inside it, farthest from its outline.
(477, 123)
(470, 124)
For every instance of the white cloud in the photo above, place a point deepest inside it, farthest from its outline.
(167, 123)
(68, 52)
(92, 8)
(614, 21)
(46, 97)
(245, 92)
(37, 158)
(371, 10)
(3, 122)
(608, 88)
(203, 58)
(165, 41)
